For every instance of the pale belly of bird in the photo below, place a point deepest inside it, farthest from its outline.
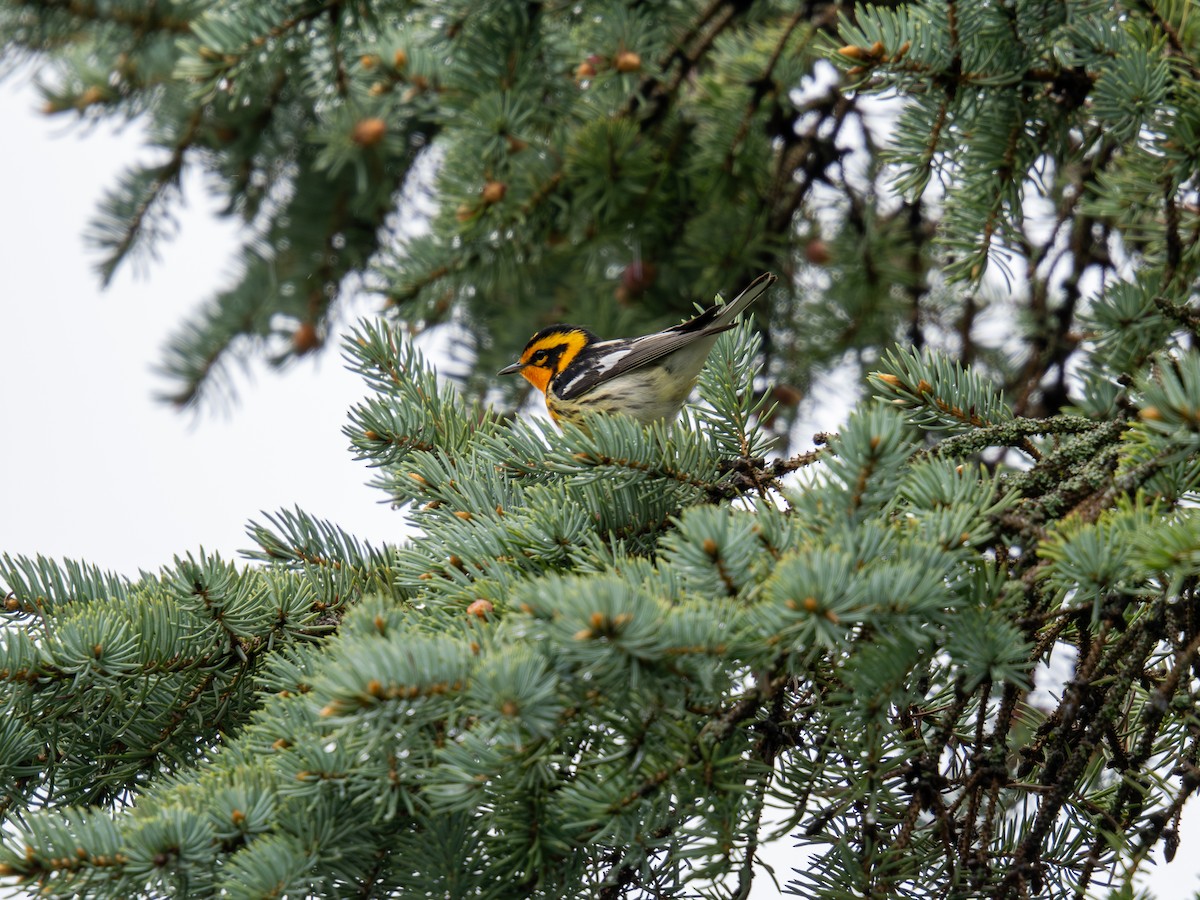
(648, 395)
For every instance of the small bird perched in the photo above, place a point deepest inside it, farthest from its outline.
(645, 377)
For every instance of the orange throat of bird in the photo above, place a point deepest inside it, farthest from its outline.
(538, 376)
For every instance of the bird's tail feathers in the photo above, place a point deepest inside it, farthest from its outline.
(753, 291)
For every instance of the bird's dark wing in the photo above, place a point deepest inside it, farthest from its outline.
(613, 358)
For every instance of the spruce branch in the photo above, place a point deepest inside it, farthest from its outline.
(1179, 48)
(1015, 433)
(215, 48)
(145, 19)
(123, 227)
(1177, 312)
(764, 87)
(653, 96)
(746, 475)
(937, 392)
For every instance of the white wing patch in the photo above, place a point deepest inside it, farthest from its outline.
(606, 360)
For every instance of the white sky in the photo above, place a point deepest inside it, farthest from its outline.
(93, 468)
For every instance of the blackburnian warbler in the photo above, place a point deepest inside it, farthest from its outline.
(645, 377)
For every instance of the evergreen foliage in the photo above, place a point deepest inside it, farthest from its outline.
(614, 660)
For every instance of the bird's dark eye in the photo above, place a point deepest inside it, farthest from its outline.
(540, 358)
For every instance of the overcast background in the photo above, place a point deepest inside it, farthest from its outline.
(93, 468)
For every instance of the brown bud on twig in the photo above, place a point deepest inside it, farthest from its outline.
(627, 61)
(369, 132)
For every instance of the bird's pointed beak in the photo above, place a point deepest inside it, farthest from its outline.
(511, 370)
